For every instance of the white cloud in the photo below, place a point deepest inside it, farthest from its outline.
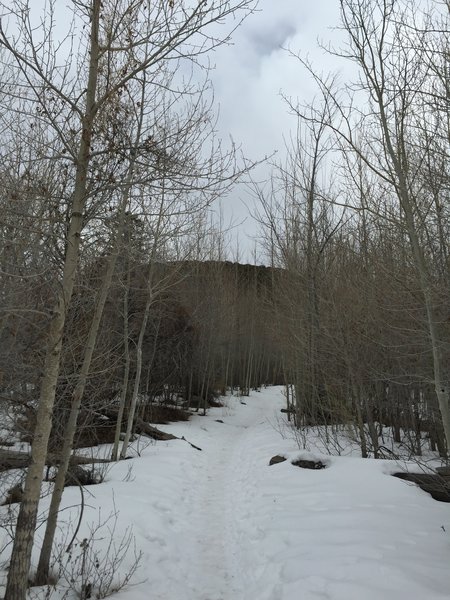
(250, 74)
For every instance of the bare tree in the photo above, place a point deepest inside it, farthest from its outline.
(298, 218)
(117, 47)
(381, 122)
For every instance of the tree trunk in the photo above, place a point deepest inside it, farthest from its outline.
(26, 523)
(441, 388)
(137, 380)
(78, 393)
(126, 373)
(71, 426)
(360, 422)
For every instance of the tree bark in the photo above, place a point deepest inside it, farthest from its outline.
(26, 523)
(126, 373)
(137, 380)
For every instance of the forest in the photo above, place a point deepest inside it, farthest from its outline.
(123, 302)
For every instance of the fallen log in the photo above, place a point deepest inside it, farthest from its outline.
(9, 459)
(142, 427)
(12, 459)
(157, 434)
(153, 432)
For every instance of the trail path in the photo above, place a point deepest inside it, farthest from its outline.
(226, 487)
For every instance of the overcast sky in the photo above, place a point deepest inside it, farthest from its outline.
(250, 74)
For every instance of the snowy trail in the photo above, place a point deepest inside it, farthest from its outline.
(225, 493)
(221, 524)
(212, 543)
(192, 511)
(253, 532)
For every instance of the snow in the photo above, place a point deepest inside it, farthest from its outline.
(221, 524)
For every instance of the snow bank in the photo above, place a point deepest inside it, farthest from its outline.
(221, 524)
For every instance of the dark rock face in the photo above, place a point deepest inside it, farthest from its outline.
(436, 485)
(277, 459)
(309, 464)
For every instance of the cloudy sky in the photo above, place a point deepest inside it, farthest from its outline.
(250, 74)
(248, 77)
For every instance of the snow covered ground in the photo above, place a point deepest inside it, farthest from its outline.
(221, 524)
